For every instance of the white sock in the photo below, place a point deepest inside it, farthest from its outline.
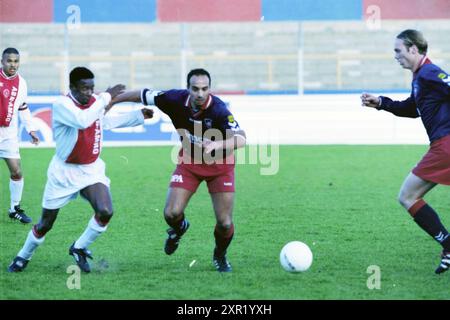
(30, 246)
(89, 235)
(15, 188)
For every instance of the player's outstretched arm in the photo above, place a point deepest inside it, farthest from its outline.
(369, 100)
(406, 108)
(127, 96)
(116, 90)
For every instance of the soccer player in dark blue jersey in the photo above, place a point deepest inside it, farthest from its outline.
(430, 100)
(209, 134)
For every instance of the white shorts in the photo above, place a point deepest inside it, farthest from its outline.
(65, 180)
(9, 149)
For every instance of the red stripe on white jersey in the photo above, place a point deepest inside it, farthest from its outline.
(88, 145)
(9, 91)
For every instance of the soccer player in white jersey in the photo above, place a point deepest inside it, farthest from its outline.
(13, 95)
(78, 122)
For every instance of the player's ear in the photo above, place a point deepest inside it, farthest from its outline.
(413, 49)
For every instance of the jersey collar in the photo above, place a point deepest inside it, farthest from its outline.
(425, 60)
(202, 107)
(3, 74)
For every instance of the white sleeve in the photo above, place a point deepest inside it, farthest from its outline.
(26, 118)
(65, 112)
(148, 96)
(122, 120)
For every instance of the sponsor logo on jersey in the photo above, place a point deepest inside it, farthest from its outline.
(194, 139)
(97, 138)
(12, 98)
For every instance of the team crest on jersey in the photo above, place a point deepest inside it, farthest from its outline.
(208, 123)
(6, 93)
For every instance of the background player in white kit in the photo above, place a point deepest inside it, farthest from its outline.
(78, 121)
(13, 95)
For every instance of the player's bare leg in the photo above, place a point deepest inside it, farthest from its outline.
(223, 203)
(410, 197)
(413, 189)
(16, 188)
(35, 238)
(99, 197)
(176, 202)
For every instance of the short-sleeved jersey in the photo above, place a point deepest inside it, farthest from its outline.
(213, 122)
(429, 99)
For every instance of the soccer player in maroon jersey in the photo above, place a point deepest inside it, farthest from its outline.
(209, 134)
(13, 96)
(78, 121)
(430, 100)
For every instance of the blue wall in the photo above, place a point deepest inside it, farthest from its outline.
(281, 10)
(107, 10)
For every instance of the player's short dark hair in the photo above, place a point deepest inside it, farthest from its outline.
(412, 37)
(198, 72)
(80, 73)
(9, 51)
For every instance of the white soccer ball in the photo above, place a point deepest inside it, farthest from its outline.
(296, 257)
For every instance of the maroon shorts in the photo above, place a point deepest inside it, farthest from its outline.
(435, 164)
(218, 177)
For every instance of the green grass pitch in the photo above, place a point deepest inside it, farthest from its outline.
(340, 200)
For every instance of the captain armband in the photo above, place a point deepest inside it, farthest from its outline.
(148, 96)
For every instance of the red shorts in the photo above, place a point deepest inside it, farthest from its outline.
(435, 164)
(218, 177)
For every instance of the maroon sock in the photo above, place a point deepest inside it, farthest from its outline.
(223, 238)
